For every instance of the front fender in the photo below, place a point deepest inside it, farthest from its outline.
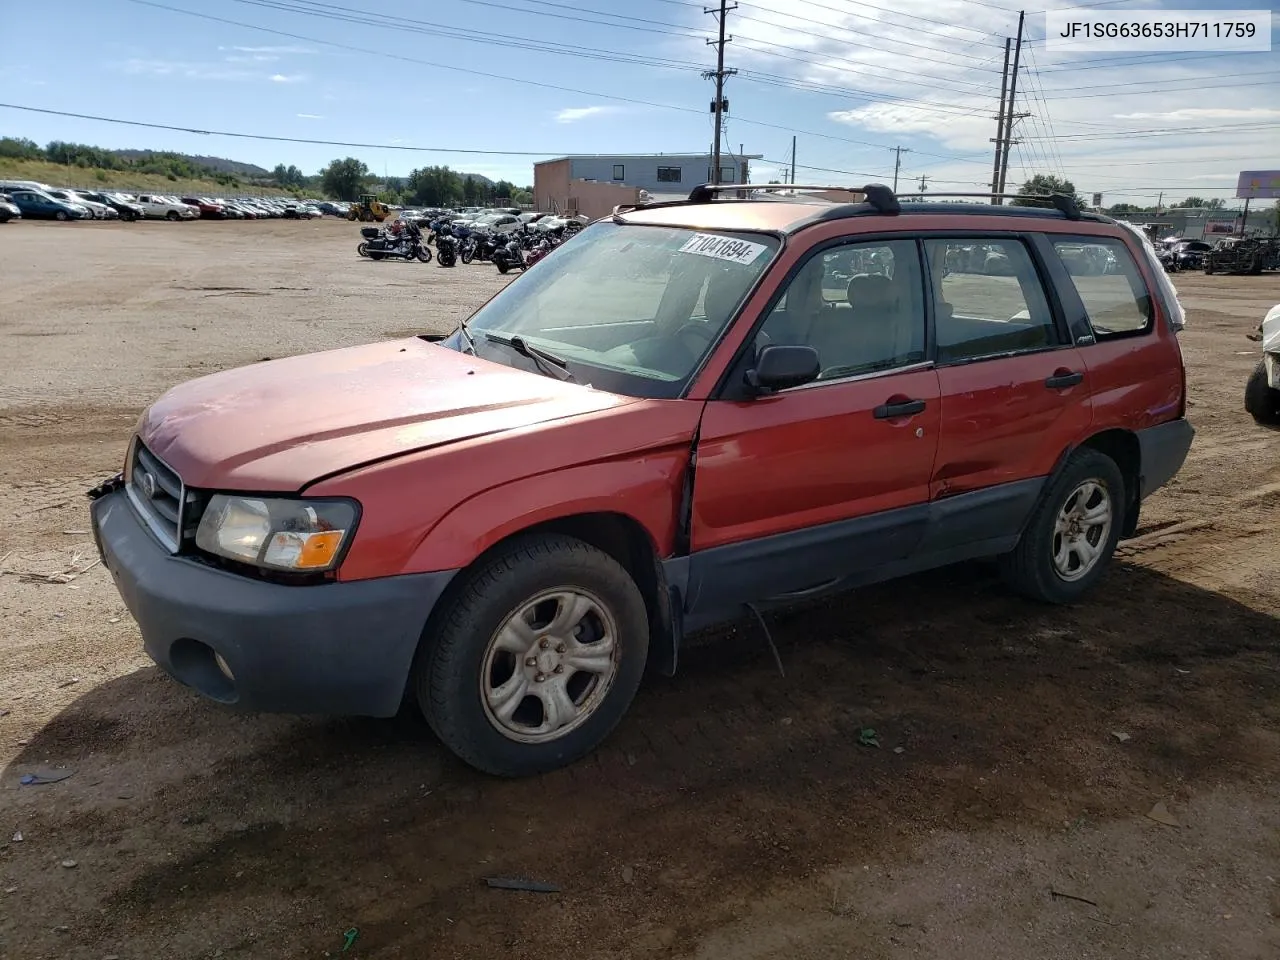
(646, 489)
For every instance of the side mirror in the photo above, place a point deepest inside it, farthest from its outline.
(780, 366)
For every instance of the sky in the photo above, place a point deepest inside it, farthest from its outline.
(522, 80)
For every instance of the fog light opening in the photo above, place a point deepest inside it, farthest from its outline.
(202, 668)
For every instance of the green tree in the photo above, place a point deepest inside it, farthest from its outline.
(1123, 209)
(1044, 184)
(20, 148)
(344, 179)
(504, 190)
(434, 186)
(289, 176)
(1214, 204)
(470, 190)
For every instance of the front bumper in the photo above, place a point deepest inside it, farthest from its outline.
(333, 648)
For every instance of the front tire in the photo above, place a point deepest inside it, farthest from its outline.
(536, 658)
(1072, 535)
(1261, 400)
(62, 215)
(363, 249)
(173, 216)
(503, 266)
(424, 253)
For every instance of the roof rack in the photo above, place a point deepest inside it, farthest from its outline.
(877, 194)
(880, 197)
(1065, 204)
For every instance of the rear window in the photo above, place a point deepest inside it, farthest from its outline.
(1109, 284)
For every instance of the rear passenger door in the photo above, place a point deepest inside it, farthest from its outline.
(1134, 366)
(1015, 390)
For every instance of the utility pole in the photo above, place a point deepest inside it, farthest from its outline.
(793, 161)
(1013, 99)
(923, 183)
(719, 74)
(1159, 202)
(897, 163)
(998, 139)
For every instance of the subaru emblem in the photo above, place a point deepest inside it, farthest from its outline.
(149, 485)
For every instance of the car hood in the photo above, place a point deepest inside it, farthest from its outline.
(282, 424)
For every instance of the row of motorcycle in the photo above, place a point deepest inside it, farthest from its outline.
(404, 240)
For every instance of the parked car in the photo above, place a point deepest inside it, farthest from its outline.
(127, 209)
(1262, 391)
(38, 205)
(677, 419)
(208, 209)
(97, 211)
(158, 207)
(8, 209)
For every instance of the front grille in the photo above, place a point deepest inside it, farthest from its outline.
(162, 500)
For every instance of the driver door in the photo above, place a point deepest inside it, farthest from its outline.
(799, 489)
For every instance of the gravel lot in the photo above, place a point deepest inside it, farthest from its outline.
(734, 813)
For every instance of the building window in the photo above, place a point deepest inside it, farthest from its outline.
(728, 174)
(618, 172)
(668, 174)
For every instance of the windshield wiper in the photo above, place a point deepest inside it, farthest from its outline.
(471, 341)
(548, 363)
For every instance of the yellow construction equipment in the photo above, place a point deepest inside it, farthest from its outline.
(368, 208)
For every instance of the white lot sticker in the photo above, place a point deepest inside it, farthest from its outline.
(723, 248)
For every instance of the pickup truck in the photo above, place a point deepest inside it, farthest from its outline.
(157, 207)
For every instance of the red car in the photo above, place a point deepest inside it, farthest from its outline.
(209, 209)
(693, 409)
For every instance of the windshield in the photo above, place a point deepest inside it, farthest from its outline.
(632, 309)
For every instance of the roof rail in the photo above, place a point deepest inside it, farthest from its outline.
(876, 194)
(1067, 205)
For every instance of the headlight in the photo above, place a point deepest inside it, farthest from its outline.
(297, 535)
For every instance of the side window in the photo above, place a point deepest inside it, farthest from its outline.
(861, 306)
(1112, 290)
(988, 299)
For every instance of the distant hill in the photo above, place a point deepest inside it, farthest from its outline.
(477, 177)
(220, 164)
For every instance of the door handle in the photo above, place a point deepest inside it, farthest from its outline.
(904, 408)
(1064, 379)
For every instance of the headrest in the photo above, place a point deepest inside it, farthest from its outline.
(871, 291)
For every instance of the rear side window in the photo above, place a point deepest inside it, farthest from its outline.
(1112, 290)
(988, 300)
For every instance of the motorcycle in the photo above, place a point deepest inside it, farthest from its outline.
(446, 249)
(481, 247)
(407, 245)
(510, 256)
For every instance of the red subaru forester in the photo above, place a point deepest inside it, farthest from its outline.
(688, 410)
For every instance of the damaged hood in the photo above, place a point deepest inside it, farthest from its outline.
(281, 424)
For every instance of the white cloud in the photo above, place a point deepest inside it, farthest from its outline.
(287, 78)
(310, 116)
(184, 69)
(286, 49)
(252, 58)
(925, 74)
(574, 114)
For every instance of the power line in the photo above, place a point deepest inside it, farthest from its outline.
(263, 136)
(525, 81)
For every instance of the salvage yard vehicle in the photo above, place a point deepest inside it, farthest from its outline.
(157, 207)
(36, 204)
(8, 209)
(1262, 392)
(681, 417)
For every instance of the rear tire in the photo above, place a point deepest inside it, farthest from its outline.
(1066, 546)
(1260, 399)
(502, 265)
(546, 593)
(363, 249)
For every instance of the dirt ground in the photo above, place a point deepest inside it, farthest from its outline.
(734, 813)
